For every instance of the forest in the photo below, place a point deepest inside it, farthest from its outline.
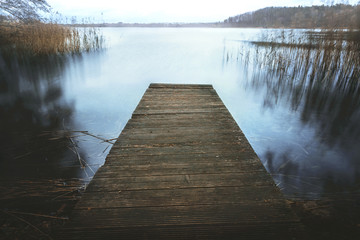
(336, 16)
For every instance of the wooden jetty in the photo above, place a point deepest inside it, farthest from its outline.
(182, 169)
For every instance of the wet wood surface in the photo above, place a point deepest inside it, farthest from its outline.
(182, 169)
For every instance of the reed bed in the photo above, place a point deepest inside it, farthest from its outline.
(38, 38)
(321, 67)
(329, 58)
(317, 75)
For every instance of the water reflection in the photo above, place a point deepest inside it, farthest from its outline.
(316, 75)
(301, 119)
(32, 110)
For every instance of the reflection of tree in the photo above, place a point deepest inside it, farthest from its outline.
(31, 108)
(37, 168)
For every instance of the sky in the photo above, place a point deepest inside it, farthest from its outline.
(149, 11)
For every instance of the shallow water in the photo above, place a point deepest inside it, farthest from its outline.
(46, 107)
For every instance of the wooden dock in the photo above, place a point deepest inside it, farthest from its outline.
(182, 169)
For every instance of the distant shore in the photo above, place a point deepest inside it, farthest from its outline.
(188, 25)
(154, 25)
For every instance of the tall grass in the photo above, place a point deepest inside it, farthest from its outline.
(38, 38)
(329, 58)
(317, 73)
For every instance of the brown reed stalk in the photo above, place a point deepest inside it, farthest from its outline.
(38, 38)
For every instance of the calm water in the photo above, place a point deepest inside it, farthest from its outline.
(47, 106)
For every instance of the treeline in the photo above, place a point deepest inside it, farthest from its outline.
(336, 16)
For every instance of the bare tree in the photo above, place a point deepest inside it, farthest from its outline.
(24, 10)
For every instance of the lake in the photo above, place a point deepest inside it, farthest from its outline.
(60, 114)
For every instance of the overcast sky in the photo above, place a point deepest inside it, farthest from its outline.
(147, 11)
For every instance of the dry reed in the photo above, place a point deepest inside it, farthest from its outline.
(37, 38)
(316, 73)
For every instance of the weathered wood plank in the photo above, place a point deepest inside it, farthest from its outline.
(182, 169)
(195, 231)
(194, 159)
(227, 231)
(181, 86)
(268, 220)
(159, 168)
(180, 197)
(114, 182)
(251, 212)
